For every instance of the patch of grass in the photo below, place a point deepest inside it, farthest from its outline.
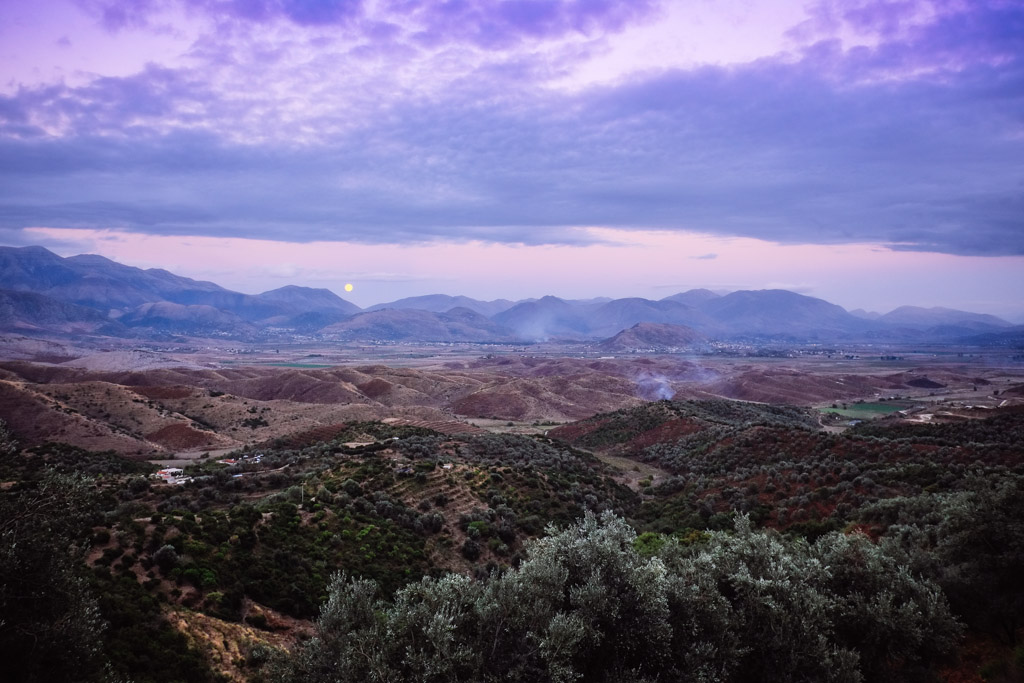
(865, 410)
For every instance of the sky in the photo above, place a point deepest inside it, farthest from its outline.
(868, 152)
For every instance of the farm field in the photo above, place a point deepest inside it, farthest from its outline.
(870, 410)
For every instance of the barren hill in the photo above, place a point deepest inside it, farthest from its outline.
(653, 337)
(144, 402)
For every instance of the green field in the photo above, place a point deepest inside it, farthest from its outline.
(867, 411)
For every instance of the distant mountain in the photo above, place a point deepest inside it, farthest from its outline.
(597, 300)
(693, 297)
(31, 313)
(169, 317)
(784, 314)
(296, 300)
(95, 281)
(620, 314)
(547, 318)
(766, 313)
(1010, 338)
(919, 318)
(90, 294)
(441, 303)
(867, 315)
(458, 324)
(310, 322)
(653, 337)
(304, 308)
(99, 283)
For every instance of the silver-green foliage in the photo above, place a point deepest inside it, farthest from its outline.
(585, 606)
(970, 542)
(8, 444)
(777, 619)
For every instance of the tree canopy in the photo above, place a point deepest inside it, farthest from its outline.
(744, 605)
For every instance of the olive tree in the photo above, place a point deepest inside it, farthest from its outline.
(585, 605)
(50, 625)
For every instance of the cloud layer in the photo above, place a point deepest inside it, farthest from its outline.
(395, 121)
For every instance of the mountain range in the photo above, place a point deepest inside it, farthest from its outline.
(42, 293)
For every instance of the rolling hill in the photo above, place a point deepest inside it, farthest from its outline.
(653, 337)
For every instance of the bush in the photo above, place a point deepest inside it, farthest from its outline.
(585, 605)
(166, 558)
(471, 550)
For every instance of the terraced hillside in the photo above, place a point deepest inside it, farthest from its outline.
(776, 463)
(251, 542)
(238, 559)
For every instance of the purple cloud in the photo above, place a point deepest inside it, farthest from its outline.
(103, 106)
(117, 15)
(507, 22)
(485, 23)
(914, 36)
(302, 12)
(886, 19)
(914, 142)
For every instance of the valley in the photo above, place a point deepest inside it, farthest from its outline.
(194, 467)
(227, 566)
(156, 402)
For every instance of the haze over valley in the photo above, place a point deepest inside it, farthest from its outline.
(149, 363)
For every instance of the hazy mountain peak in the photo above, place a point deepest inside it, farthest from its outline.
(779, 312)
(867, 315)
(156, 298)
(693, 297)
(918, 316)
(297, 289)
(32, 250)
(290, 293)
(439, 303)
(93, 260)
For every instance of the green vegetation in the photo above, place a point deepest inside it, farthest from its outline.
(138, 642)
(757, 548)
(1005, 429)
(773, 467)
(585, 605)
(624, 426)
(866, 410)
(50, 626)
(59, 457)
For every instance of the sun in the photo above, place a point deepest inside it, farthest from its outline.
(348, 287)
